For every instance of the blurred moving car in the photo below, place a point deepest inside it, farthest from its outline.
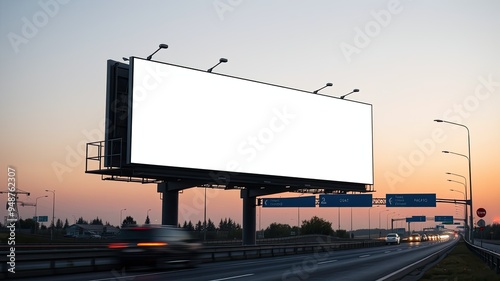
(433, 237)
(415, 237)
(392, 238)
(424, 237)
(159, 246)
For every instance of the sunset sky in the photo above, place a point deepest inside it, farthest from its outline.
(414, 61)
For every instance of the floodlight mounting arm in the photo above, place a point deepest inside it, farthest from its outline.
(161, 46)
(221, 60)
(327, 85)
(353, 91)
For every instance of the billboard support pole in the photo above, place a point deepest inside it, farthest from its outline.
(249, 217)
(169, 205)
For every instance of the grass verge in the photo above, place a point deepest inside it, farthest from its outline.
(460, 264)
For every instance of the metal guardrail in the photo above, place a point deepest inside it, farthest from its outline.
(29, 263)
(488, 256)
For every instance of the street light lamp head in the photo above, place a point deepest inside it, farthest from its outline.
(446, 151)
(438, 120)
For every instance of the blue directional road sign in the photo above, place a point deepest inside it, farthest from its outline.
(410, 200)
(416, 219)
(444, 218)
(43, 218)
(305, 201)
(345, 200)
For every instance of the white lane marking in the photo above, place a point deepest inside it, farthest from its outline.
(364, 256)
(386, 252)
(233, 277)
(266, 262)
(127, 277)
(322, 262)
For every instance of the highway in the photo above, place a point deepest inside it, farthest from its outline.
(378, 263)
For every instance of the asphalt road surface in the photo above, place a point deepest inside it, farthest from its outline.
(357, 264)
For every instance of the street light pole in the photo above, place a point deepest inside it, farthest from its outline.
(369, 226)
(387, 220)
(379, 213)
(471, 224)
(351, 222)
(338, 211)
(465, 207)
(465, 197)
(53, 212)
(121, 223)
(36, 207)
(205, 217)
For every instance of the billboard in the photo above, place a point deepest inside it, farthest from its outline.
(192, 119)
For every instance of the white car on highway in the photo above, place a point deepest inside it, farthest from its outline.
(392, 238)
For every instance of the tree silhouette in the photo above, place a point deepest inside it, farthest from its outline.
(277, 230)
(210, 225)
(199, 226)
(316, 226)
(59, 224)
(147, 220)
(81, 221)
(128, 221)
(96, 221)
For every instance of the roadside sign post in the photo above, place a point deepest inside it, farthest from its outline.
(481, 212)
(481, 223)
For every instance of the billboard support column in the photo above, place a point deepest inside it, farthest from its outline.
(169, 205)
(249, 217)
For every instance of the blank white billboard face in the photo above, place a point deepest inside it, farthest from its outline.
(188, 118)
